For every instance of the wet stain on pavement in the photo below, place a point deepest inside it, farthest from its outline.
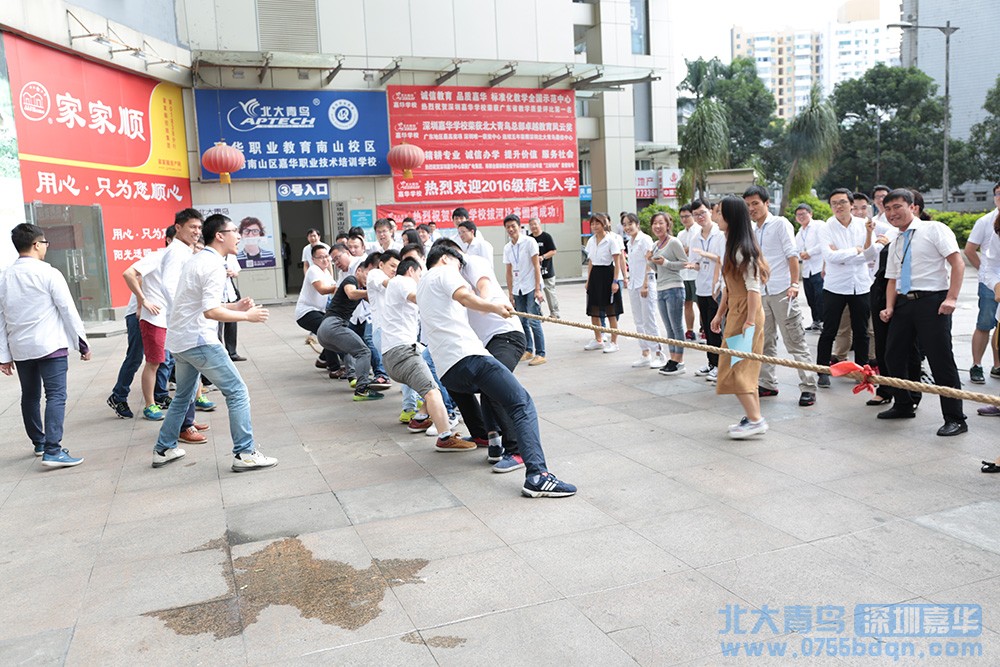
(286, 573)
(440, 641)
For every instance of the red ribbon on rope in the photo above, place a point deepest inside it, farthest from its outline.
(847, 367)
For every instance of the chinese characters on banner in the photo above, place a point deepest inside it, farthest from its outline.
(90, 135)
(297, 133)
(486, 143)
(485, 214)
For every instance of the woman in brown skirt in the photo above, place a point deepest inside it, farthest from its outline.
(744, 269)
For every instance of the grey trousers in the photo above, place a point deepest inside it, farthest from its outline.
(549, 288)
(779, 317)
(335, 334)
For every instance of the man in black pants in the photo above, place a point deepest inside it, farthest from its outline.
(920, 298)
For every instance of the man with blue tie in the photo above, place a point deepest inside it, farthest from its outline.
(920, 298)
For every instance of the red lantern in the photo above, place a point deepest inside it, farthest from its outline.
(223, 159)
(406, 158)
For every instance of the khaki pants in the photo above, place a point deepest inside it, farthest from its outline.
(778, 317)
(844, 342)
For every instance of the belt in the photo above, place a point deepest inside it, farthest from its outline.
(914, 295)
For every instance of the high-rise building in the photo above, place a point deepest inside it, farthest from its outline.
(788, 62)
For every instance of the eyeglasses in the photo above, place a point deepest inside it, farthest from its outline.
(43, 241)
(230, 231)
(840, 202)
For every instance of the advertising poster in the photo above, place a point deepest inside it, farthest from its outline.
(297, 133)
(486, 143)
(256, 249)
(484, 214)
(93, 136)
(11, 201)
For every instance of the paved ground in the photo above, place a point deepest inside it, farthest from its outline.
(364, 546)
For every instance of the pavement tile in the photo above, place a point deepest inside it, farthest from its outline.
(163, 537)
(432, 535)
(733, 478)
(896, 492)
(396, 651)
(400, 498)
(281, 482)
(164, 500)
(45, 648)
(286, 517)
(341, 475)
(519, 519)
(814, 463)
(38, 602)
(972, 524)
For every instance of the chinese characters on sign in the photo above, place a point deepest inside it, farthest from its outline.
(484, 214)
(302, 190)
(486, 143)
(298, 134)
(646, 184)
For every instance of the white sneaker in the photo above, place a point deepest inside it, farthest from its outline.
(703, 371)
(252, 461)
(713, 376)
(432, 432)
(160, 460)
(610, 348)
(594, 345)
(657, 362)
(606, 337)
(641, 362)
(747, 428)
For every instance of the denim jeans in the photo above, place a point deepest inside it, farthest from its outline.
(34, 374)
(670, 303)
(486, 375)
(533, 337)
(409, 399)
(506, 348)
(364, 331)
(214, 363)
(163, 373)
(133, 360)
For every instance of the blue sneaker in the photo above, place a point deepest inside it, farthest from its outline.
(153, 413)
(509, 463)
(40, 449)
(545, 485)
(494, 453)
(60, 460)
(202, 404)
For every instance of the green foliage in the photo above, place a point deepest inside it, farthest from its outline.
(821, 210)
(960, 223)
(811, 141)
(704, 145)
(646, 214)
(985, 137)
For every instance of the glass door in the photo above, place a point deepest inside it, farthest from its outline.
(76, 249)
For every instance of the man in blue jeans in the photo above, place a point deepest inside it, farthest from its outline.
(38, 326)
(467, 366)
(193, 338)
(524, 284)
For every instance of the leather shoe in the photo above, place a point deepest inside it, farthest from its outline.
(953, 428)
(806, 399)
(236, 357)
(897, 413)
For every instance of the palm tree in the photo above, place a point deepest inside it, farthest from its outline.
(705, 144)
(811, 141)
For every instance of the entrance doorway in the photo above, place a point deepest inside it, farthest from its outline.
(76, 249)
(296, 218)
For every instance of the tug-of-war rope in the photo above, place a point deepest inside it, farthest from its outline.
(865, 375)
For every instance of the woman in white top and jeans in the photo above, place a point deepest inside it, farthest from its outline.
(642, 292)
(668, 258)
(603, 296)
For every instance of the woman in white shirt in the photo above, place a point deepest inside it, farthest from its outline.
(603, 296)
(642, 292)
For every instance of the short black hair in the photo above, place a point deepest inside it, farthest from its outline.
(406, 264)
(996, 187)
(425, 227)
(410, 236)
(387, 255)
(213, 225)
(884, 188)
(686, 208)
(862, 196)
(439, 251)
(446, 242)
(460, 212)
(383, 222)
(318, 246)
(24, 236)
(356, 231)
(341, 235)
(468, 224)
(170, 232)
(512, 217)
(186, 214)
(841, 191)
(757, 191)
(899, 193)
(409, 219)
(371, 259)
(412, 247)
(339, 246)
(804, 207)
(698, 203)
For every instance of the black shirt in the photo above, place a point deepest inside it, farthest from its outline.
(546, 244)
(340, 305)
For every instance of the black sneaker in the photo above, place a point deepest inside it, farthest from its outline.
(494, 453)
(545, 485)
(164, 402)
(671, 368)
(823, 381)
(121, 408)
(976, 375)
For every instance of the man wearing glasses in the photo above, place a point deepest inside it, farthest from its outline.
(38, 325)
(193, 339)
(846, 244)
(987, 261)
(253, 255)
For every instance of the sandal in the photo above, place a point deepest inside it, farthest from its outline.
(878, 400)
(989, 466)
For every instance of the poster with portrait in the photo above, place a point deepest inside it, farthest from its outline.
(256, 225)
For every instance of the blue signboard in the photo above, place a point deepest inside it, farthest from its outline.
(302, 190)
(297, 133)
(362, 217)
(586, 193)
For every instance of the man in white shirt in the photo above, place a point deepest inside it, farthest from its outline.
(384, 236)
(780, 295)
(39, 324)
(193, 339)
(472, 242)
(686, 236)
(984, 239)
(466, 365)
(879, 193)
(847, 250)
(811, 257)
(921, 296)
(706, 248)
(524, 285)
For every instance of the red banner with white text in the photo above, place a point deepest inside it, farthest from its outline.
(486, 143)
(484, 214)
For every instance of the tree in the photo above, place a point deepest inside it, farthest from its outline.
(704, 143)
(897, 110)
(810, 141)
(986, 137)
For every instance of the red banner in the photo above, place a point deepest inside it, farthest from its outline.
(90, 135)
(484, 214)
(486, 143)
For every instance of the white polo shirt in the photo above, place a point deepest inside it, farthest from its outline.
(715, 244)
(309, 299)
(37, 313)
(518, 256)
(401, 320)
(486, 325)
(376, 295)
(202, 282)
(776, 238)
(985, 237)
(160, 271)
(931, 244)
(602, 254)
(637, 265)
(444, 322)
(847, 269)
(479, 247)
(807, 240)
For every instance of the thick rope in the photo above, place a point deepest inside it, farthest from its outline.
(899, 383)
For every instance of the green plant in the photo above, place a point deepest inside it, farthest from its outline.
(821, 210)
(960, 223)
(646, 214)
